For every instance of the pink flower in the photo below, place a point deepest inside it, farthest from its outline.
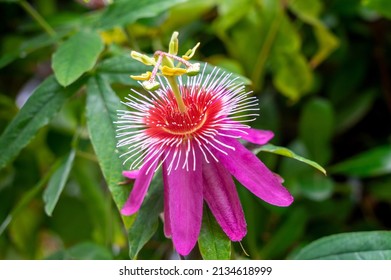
(198, 148)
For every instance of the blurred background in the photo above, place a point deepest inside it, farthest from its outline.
(321, 69)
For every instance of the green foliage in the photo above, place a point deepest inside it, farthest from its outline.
(102, 104)
(213, 243)
(288, 153)
(57, 182)
(374, 162)
(383, 7)
(349, 246)
(147, 220)
(46, 101)
(320, 69)
(70, 60)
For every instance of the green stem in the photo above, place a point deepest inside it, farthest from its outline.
(174, 85)
(177, 94)
(38, 18)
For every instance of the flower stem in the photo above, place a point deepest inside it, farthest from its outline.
(38, 18)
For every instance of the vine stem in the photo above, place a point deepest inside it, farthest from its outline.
(38, 18)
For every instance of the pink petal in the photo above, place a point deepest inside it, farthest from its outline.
(223, 200)
(167, 221)
(136, 197)
(253, 174)
(132, 174)
(185, 202)
(256, 136)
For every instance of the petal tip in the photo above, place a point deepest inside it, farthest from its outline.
(128, 211)
(132, 174)
(238, 236)
(184, 249)
(285, 202)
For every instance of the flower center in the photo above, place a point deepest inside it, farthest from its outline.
(165, 119)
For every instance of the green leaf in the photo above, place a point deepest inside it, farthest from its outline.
(39, 109)
(123, 12)
(102, 104)
(292, 75)
(288, 153)
(309, 11)
(347, 116)
(316, 128)
(117, 69)
(383, 7)
(374, 162)
(147, 219)
(98, 202)
(302, 180)
(213, 242)
(24, 201)
(7, 58)
(76, 56)
(372, 245)
(57, 183)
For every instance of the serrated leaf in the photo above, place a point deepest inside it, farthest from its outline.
(374, 162)
(39, 109)
(147, 219)
(213, 242)
(123, 12)
(288, 153)
(57, 183)
(102, 104)
(372, 245)
(76, 56)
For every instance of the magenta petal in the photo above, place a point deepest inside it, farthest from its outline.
(223, 200)
(167, 220)
(185, 203)
(256, 136)
(132, 174)
(253, 174)
(136, 197)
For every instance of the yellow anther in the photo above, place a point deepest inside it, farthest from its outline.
(142, 58)
(173, 46)
(174, 71)
(143, 77)
(151, 85)
(189, 54)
